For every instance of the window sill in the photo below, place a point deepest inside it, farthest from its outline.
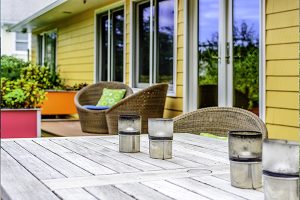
(169, 94)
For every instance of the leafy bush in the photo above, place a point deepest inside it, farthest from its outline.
(43, 76)
(11, 67)
(21, 94)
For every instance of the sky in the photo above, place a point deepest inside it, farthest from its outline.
(243, 11)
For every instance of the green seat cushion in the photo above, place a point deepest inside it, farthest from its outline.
(111, 96)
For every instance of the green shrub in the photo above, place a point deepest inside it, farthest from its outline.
(21, 94)
(43, 76)
(11, 67)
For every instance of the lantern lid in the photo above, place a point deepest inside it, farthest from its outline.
(129, 117)
(292, 143)
(244, 133)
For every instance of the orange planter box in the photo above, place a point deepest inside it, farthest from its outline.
(59, 103)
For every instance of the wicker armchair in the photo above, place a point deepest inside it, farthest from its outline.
(94, 121)
(218, 121)
(148, 103)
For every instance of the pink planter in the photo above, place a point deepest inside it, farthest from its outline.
(20, 123)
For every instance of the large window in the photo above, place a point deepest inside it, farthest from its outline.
(110, 45)
(154, 43)
(47, 50)
(21, 41)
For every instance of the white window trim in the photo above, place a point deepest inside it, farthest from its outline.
(133, 29)
(21, 41)
(102, 10)
(189, 96)
(43, 46)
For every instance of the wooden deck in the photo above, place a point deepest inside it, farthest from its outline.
(92, 168)
(64, 128)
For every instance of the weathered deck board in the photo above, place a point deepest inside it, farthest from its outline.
(53, 160)
(74, 194)
(92, 168)
(96, 157)
(18, 183)
(37, 167)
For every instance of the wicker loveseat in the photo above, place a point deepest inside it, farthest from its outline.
(94, 121)
(218, 121)
(148, 103)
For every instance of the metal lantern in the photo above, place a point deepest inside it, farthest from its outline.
(129, 128)
(245, 154)
(160, 138)
(281, 169)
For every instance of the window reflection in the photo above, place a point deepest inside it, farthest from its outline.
(104, 47)
(118, 24)
(165, 41)
(245, 54)
(143, 47)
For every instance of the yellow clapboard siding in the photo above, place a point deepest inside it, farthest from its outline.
(179, 66)
(180, 29)
(76, 47)
(89, 30)
(282, 117)
(289, 100)
(281, 20)
(74, 41)
(273, 6)
(78, 75)
(77, 54)
(76, 68)
(179, 91)
(78, 25)
(75, 61)
(282, 36)
(180, 53)
(282, 67)
(171, 113)
(180, 4)
(180, 41)
(283, 132)
(174, 103)
(179, 80)
(282, 51)
(283, 83)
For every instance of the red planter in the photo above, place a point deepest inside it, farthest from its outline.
(20, 123)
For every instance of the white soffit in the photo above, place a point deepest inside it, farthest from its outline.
(56, 11)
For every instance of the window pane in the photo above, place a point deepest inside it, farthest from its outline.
(208, 21)
(118, 33)
(40, 49)
(245, 54)
(104, 46)
(22, 36)
(21, 46)
(50, 51)
(165, 41)
(143, 47)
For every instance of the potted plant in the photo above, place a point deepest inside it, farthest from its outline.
(59, 97)
(20, 113)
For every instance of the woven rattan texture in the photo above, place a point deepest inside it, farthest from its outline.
(148, 103)
(218, 121)
(94, 121)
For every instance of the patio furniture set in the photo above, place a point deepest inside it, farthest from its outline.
(185, 165)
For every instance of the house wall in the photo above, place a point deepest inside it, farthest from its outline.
(75, 52)
(8, 44)
(282, 69)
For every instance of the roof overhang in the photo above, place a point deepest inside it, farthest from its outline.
(57, 11)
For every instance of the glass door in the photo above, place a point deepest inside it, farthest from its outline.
(228, 53)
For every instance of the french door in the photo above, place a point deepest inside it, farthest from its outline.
(224, 60)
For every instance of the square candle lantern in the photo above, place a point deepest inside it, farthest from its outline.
(129, 128)
(160, 138)
(281, 169)
(245, 155)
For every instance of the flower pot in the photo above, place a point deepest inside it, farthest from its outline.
(59, 103)
(20, 123)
